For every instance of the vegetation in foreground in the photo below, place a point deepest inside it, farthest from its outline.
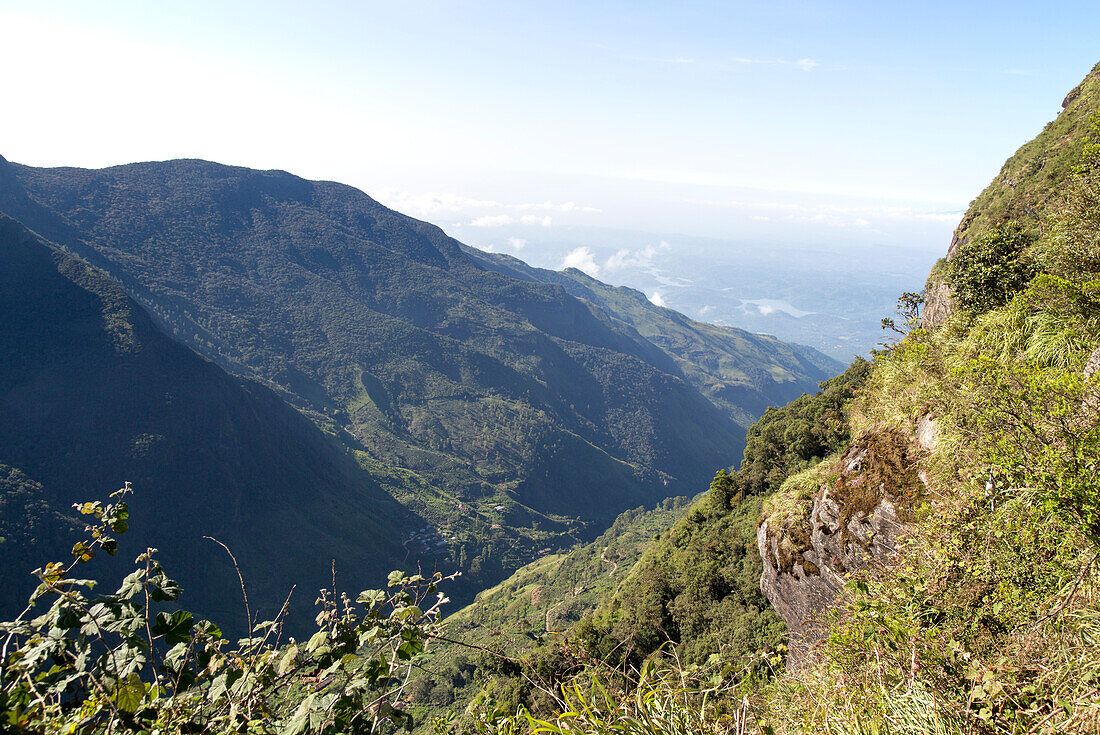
(132, 662)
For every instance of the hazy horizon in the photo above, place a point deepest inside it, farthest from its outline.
(817, 136)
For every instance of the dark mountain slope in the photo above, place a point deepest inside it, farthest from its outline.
(493, 390)
(93, 393)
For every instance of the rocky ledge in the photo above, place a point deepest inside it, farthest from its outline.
(853, 515)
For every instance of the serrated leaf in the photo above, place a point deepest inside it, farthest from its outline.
(129, 693)
(371, 597)
(176, 627)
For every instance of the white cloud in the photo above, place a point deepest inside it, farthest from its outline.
(583, 260)
(657, 300)
(534, 219)
(492, 220)
(517, 243)
(625, 258)
(807, 64)
(434, 204)
(430, 203)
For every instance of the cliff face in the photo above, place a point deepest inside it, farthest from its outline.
(1026, 184)
(937, 302)
(835, 520)
(853, 516)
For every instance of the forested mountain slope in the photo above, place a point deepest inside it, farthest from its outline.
(487, 399)
(92, 394)
(691, 586)
(742, 372)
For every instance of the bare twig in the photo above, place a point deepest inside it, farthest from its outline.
(240, 578)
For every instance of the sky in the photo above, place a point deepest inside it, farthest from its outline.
(513, 123)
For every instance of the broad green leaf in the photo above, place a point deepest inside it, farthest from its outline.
(175, 627)
(287, 660)
(129, 693)
(319, 639)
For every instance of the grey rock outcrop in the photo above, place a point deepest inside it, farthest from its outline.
(853, 522)
(937, 304)
(1093, 365)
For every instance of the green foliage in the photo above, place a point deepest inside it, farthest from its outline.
(1073, 248)
(119, 663)
(908, 311)
(696, 586)
(1038, 428)
(667, 700)
(800, 434)
(988, 270)
(522, 617)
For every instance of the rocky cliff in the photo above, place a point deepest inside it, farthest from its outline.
(850, 513)
(1026, 185)
(839, 517)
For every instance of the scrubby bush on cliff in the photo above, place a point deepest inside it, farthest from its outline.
(989, 619)
(130, 662)
(989, 269)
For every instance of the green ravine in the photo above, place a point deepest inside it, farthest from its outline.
(465, 419)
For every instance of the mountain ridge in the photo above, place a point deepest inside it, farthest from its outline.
(93, 393)
(356, 266)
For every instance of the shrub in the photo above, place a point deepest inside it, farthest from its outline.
(126, 662)
(988, 270)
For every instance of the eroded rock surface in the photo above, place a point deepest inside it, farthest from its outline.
(937, 304)
(853, 521)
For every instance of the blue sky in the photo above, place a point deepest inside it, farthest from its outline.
(873, 122)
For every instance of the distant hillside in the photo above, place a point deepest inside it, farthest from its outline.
(742, 372)
(93, 394)
(479, 398)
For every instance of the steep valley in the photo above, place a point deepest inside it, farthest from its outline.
(466, 415)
